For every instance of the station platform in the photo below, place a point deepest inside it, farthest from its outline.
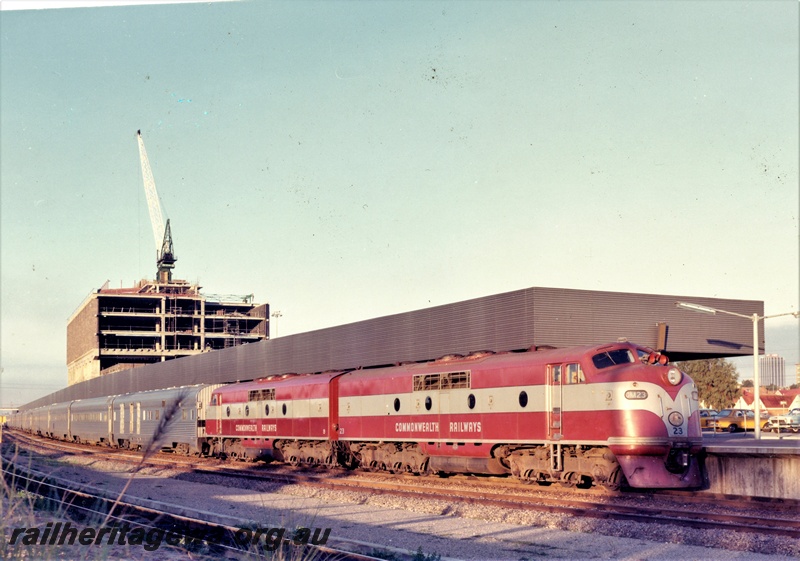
(738, 464)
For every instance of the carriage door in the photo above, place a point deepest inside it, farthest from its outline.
(121, 419)
(219, 416)
(110, 423)
(554, 381)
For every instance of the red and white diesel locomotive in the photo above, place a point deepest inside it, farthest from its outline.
(579, 416)
(601, 415)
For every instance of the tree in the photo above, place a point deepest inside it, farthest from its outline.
(716, 379)
(748, 383)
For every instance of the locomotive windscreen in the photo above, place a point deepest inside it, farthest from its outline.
(611, 358)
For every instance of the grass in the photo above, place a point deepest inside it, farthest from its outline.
(29, 510)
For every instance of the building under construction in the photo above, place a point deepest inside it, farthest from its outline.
(119, 328)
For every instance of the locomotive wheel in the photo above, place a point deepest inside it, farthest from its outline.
(614, 481)
(732, 428)
(584, 482)
(568, 480)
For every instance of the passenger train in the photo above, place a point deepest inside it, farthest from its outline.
(608, 415)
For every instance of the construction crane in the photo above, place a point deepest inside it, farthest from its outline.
(165, 253)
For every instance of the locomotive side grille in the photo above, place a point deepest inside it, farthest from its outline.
(262, 395)
(442, 381)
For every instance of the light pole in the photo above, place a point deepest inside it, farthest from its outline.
(755, 318)
(276, 314)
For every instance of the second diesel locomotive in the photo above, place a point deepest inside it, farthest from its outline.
(601, 415)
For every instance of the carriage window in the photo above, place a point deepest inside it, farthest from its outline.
(612, 358)
(574, 374)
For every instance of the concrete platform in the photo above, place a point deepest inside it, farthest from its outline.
(738, 464)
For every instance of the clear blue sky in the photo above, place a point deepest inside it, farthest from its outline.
(348, 160)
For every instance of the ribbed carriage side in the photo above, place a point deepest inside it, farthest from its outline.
(140, 417)
(58, 421)
(89, 420)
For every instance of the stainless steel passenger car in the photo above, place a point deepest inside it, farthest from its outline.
(137, 416)
(89, 420)
(126, 421)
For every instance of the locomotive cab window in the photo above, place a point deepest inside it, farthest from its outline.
(574, 374)
(612, 358)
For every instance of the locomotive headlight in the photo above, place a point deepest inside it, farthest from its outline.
(674, 376)
(675, 419)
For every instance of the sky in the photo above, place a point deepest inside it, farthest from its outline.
(350, 160)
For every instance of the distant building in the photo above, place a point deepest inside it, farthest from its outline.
(772, 371)
(120, 328)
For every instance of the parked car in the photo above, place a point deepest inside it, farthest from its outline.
(734, 420)
(708, 418)
(790, 421)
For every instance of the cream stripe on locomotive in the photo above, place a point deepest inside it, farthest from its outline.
(487, 400)
(316, 407)
(577, 397)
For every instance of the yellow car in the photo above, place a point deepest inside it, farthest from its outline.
(707, 418)
(734, 420)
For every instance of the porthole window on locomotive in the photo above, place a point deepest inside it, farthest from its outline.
(246, 410)
(428, 403)
(266, 409)
(397, 404)
(228, 411)
(523, 398)
(284, 409)
(471, 401)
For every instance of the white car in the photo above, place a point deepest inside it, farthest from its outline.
(790, 421)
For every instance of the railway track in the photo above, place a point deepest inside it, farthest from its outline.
(685, 509)
(190, 532)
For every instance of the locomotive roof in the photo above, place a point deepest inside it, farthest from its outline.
(449, 363)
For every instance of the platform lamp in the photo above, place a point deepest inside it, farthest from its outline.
(755, 318)
(277, 315)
